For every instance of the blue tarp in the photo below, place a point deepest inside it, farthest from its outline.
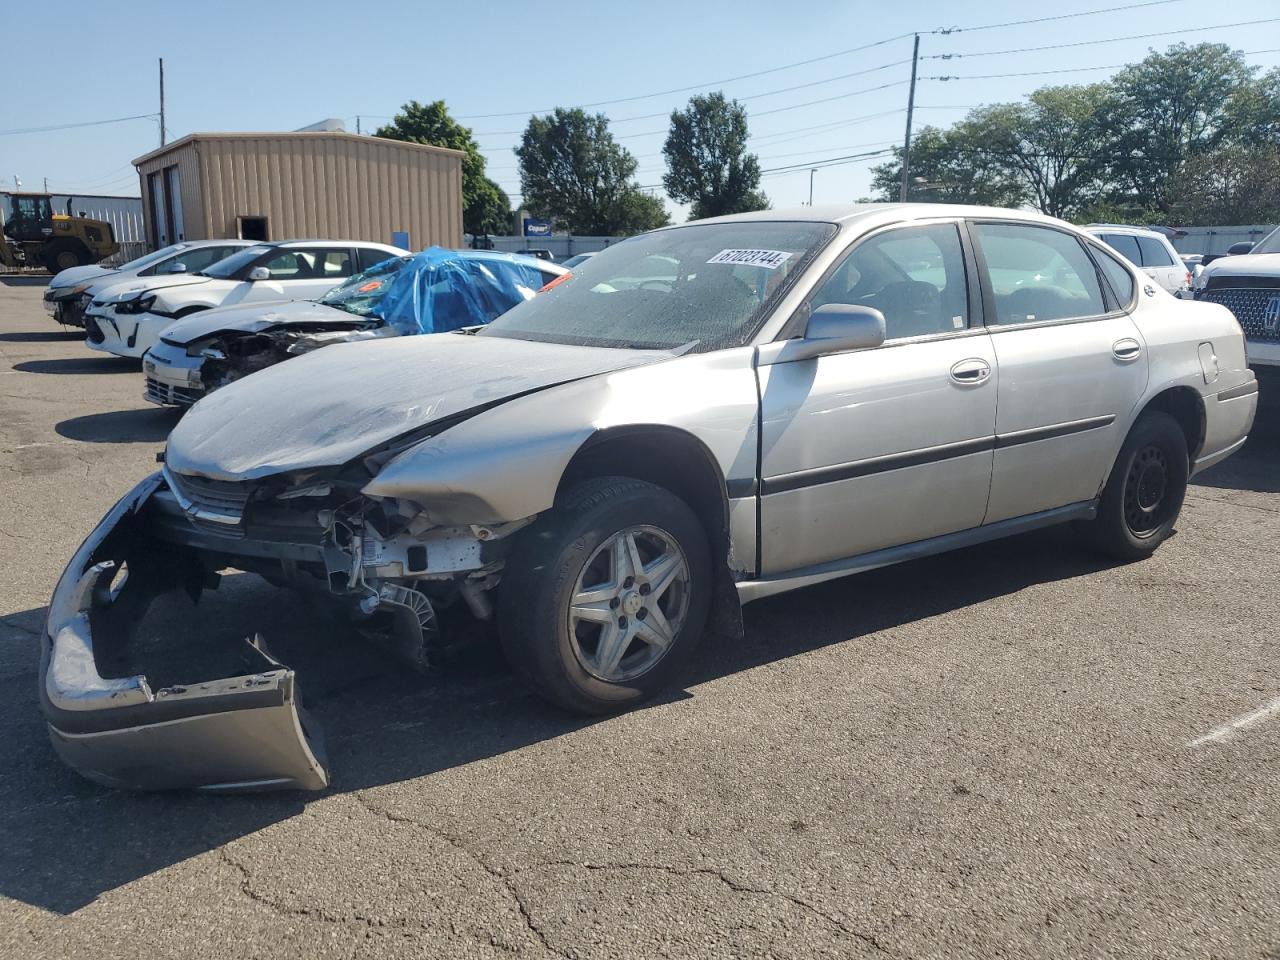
(441, 290)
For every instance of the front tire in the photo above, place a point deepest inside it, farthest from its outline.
(1144, 493)
(604, 598)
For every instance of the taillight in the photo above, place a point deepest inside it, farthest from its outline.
(1188, 278)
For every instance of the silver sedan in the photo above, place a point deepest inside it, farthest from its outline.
(699, 417)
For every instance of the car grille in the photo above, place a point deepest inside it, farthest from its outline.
(158, 392)
(93, 332)
(1258, 311)
(225, 498)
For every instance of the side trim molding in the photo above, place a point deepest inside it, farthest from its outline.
(1243, 390)
(749, 590)
(913, 458)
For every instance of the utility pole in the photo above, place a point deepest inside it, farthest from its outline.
(46, 184)
(357, 124)
(162, 97)
(812, 171)
(911, 106)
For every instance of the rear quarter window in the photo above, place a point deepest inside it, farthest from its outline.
(1118, 276)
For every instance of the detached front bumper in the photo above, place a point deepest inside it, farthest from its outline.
(123, 334)
(173, 378)
(66, 308)
(245, 731)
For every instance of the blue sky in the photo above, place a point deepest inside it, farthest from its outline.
(237, 65)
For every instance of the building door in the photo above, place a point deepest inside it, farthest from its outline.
(173, 194)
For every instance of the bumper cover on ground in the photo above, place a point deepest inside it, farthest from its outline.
(242, 732)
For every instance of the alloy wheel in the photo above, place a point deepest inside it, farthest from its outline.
(629, 603)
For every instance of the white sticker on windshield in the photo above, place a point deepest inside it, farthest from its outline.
(769, 259)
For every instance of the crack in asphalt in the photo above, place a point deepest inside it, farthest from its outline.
(316, 913)
(458, 844)
(735, 886)
(1233, 503)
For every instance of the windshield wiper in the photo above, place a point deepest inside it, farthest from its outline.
(684, 348)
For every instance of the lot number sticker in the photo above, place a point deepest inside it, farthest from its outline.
(769, 259)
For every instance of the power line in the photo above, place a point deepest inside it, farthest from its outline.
(1039, 73)
(828, 162)
(1089, 43)
(71, 126)
(700, 86)
(943, 31)
(754, 96)
(1061, 16)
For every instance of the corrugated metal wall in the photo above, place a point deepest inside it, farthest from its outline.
(322, 185)
(123, 213)
(184, 156)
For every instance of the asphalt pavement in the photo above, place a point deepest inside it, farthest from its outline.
(1017, 750)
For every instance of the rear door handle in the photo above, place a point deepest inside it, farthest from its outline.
(970, 372)
(1126, 350)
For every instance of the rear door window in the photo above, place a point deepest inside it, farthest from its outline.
(371, 256)
(1125, 245)
(1117, 275)
(1154, 253)
(1038, 273)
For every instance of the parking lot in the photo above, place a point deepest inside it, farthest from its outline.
(1012, 750)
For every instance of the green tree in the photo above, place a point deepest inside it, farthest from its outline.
(485, 207)
(1053, 143)
(708, 165)
(1174, 106)
(948, 166)
(1234, 184)
(573, 171)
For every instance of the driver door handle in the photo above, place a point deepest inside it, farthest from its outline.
(971, 372)
(1126, 350)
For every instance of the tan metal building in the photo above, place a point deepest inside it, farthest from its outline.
(278, 186)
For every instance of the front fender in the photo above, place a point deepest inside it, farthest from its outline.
(506, 463)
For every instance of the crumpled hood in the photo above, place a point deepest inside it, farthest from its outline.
(74, 276)
(126, 288)
(254, 317)
(328, 407)
(1245, 265)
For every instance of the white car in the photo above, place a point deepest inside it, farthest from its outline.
(1249, 286)
(1150, 251)
(127, 318)
(72, 290)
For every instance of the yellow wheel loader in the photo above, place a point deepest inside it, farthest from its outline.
(35, 236)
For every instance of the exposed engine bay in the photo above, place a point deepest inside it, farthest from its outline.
(233, 354)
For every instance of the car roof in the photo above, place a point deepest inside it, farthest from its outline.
(1124, 229)
(313, 241)
(857, 213)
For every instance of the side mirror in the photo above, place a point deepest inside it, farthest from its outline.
(259, 273)
(174, 267)
(1244, 246)
(838, 328)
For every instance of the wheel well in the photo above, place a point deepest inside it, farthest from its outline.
(1186, 407)
(663, 456)
(678, 462)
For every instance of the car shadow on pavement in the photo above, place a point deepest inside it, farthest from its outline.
(150, 425)
(39, 280)
(68, 840)
(81, 365)
(43, 336)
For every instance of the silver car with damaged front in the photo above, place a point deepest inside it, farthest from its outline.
(700, 417)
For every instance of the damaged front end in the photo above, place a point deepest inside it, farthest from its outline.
(179, 375)
(378, 561)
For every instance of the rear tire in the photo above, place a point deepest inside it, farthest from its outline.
(1144, 493)
(604, 599)
(63, 255)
